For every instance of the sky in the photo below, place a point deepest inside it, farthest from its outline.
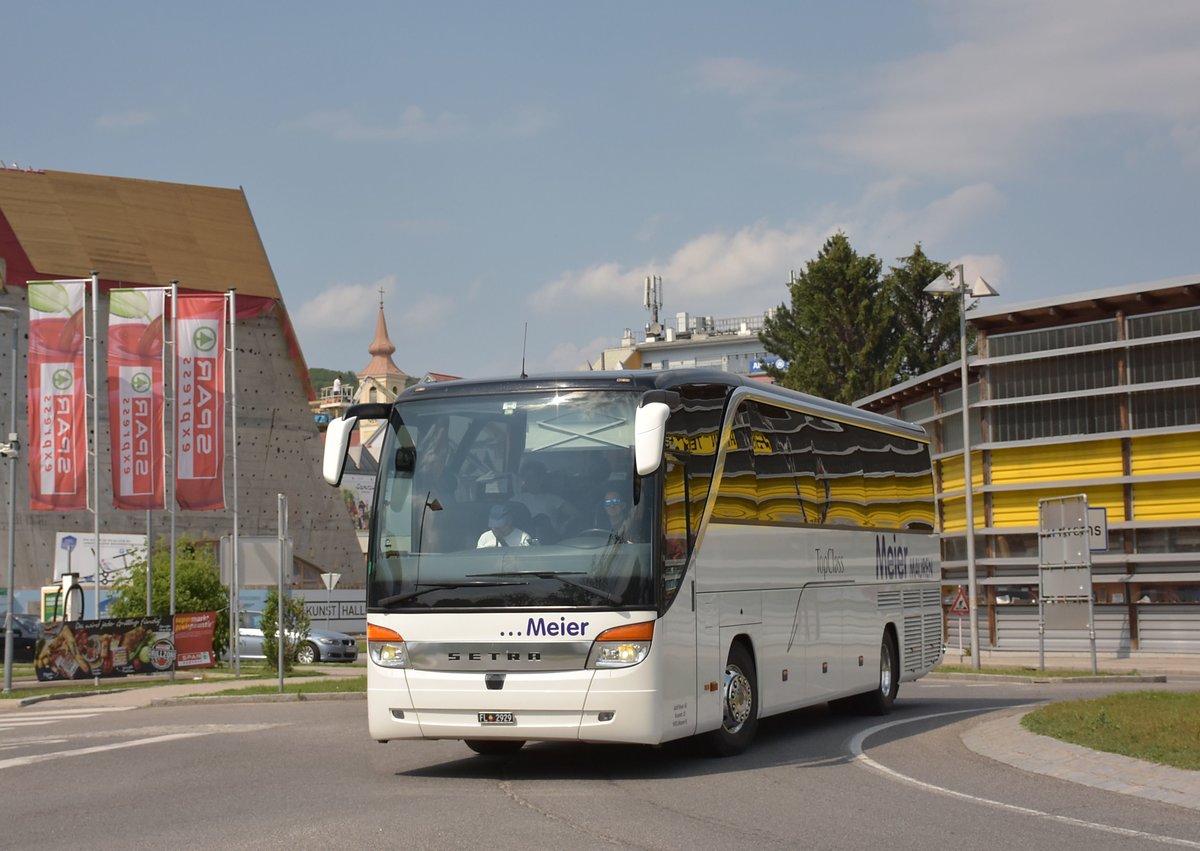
(509, 173)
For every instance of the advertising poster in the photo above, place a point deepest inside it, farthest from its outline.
(135, 397)
(81, 650)
(75, 552)
(194, 640)
(58, 477)
(200, 402)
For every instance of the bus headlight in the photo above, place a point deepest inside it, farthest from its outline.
(386, 647)
(621, 646)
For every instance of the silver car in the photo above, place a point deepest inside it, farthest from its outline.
(321, 645)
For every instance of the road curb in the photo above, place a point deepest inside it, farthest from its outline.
(67, 695)
(1034, 678)
(256, 698)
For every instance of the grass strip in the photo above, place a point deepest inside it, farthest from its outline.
(1155, 726)
(1026, 671)
(39, 689)
(325, 685)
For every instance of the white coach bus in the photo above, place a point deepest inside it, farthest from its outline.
(639, 557)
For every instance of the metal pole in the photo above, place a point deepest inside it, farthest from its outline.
(281, 522)
(235, 601)
(11, 452)
(968, 485)
(96, 441)
(149, 563)
(174, 436)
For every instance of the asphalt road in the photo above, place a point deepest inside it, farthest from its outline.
(304, 775)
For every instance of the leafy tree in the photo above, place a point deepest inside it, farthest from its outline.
(838, 334)
(198, 586)
(296, 624)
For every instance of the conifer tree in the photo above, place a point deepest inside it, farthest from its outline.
(837, 334)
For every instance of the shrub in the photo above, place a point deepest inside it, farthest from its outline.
(296, 624)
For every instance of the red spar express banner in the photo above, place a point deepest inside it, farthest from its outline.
(200, 409)
(58, 479)
(135, 397)
(194, 640)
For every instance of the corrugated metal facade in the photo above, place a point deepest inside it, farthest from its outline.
(1096, 395)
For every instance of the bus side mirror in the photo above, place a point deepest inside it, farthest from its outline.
(337, 443)
(649, 430)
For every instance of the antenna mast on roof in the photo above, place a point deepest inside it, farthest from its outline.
(652, 299)
(524, 339)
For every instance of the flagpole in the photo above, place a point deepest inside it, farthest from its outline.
(174, 429)
(96, 439)
(235, 597)
(149, 563)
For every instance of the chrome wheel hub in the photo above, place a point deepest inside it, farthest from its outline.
(738, 699)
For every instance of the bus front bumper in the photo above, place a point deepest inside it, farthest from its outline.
(587, 705)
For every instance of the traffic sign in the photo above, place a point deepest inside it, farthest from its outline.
(961, 606)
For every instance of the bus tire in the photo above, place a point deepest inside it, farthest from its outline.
(879, 701)
(495, 747)
(739, 704)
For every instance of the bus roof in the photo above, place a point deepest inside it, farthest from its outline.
(660, 379)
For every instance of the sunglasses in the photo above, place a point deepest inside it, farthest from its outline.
(614, 502)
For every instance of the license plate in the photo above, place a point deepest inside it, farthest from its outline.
(492, 719)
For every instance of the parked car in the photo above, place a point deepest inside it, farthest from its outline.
(322, 645)
(27, 629)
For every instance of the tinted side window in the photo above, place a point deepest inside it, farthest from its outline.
(737, 494)
(791, 467)
(693, 431)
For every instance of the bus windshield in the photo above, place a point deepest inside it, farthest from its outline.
(512, 500)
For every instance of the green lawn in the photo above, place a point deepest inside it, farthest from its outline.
(23, 675)
(1156, 726)
(326, 685)
(1026, 671)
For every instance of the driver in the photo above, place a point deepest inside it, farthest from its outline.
(501, 531)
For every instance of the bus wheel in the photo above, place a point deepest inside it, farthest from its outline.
(495, 747)
(879, 701)
(739, 709)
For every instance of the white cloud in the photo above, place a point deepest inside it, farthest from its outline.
(744, 272)
(415, 125)
(568, 357)
(990, 267)
(342, 306)
(124, 120)
(741, 77)
(762, 87)
(1020, 77)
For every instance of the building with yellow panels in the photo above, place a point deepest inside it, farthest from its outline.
(1096, 393)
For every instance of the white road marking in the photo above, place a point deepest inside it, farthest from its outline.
(133, 743)
(856, 750)
(16, 718)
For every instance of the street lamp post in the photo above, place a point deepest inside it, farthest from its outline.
(954, 283)
(11, 450)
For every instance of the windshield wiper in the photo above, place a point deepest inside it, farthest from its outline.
(561, 576)
(426, 587)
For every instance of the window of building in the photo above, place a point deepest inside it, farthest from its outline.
(1176, 406)
(1175, 360)
(1167, 322)
(1166, 593)
(1048, 339)
(1054, 418)
(1068, 373)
